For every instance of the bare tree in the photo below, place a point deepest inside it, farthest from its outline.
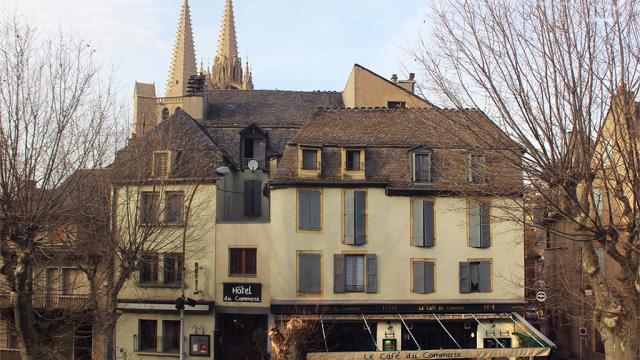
(549, 73)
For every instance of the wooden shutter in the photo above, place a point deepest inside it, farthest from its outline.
(465, 284)
(418, 229)
(338, 273)
(481, 176)
(484, 276)
(252, 198)
(314, 210)
(315, 278)
(372, 273)
(474, 225)
(418, 277)
(485, 226)
(303, 210)
(429, 277)
(303, 273)
(349, 211)
(428, 224)
(360, 217)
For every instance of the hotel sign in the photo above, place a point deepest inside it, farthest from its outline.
(431, 354)
(236, 292)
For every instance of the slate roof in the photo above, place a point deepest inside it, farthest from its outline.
(389, 136)
(279, 113)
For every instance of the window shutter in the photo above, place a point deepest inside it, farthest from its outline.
(252, 198)
(474, 225)
(465, 284)
(469, 168)
(360, 217)
(418, 228)
(418, 277)
(303, 273)
(248, 198)
(372, 273)
(485, 226)
(338, 273)
(481, 169)
(303, 210)
(314, 267)
(484, 276)
(349, 212)
(314, 210)
(428, 221)
(429, 277)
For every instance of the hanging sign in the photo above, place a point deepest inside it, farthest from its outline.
(541, 296)
(237, 292)
(432, 354)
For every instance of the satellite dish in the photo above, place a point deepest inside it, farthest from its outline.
(252, 165)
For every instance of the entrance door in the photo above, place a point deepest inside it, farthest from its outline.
(242, 337)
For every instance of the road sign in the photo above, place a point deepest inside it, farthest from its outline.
(541, 296)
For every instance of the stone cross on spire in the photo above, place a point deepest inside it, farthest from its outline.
(226, 72)
(183, 64)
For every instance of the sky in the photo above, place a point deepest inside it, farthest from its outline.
(290, 44)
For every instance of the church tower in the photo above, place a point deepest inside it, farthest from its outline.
(226, 72)
(183, 63)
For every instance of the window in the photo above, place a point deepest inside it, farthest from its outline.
(72, 281)
(355, 273)
(310, 159)
(396, 104)
(477, 168)
(475, 276)
(148, 269)
(422, 166)
(161, 164)
(597, 200)
(149, 207)
(170, 336)
(242, 262)
(173, 267)
(252, 198)
(355, 217)
(165, 114)
(354, 160)
(479, 225)
(148, 335)
(601, 254)
(174, 208)
(309, 210)
(423, 277)
(423, 223)
(254, 147)
(52, 281)
(309, 273)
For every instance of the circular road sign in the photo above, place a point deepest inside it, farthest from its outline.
(541, 296)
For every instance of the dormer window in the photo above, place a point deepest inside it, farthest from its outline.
(309, 161)
(421, 165)
(161, 164)
(354, 160)
(396, 104)
(477, 168)
(254, 147)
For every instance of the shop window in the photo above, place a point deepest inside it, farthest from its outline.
(421, 164)
(172, 271)
(252, 198)
(475, 276)
(149, 207)
(309, 210)
(355, 273)
(174, 208)
(148, 274)
(477, 168)
(479, 224)
(423, 223)
(170, 336)
(147, 335)
(355, 217)
(309, 273)
(242, 262)
(423, 277)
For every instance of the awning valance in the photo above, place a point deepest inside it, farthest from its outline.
(432, 354)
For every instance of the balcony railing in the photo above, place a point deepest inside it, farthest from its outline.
(169, 100)
(261, 163)
(354, 166)
(354, 288)
(310, 165)
(52, 301)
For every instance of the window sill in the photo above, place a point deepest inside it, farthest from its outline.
(249, 276)
(165, 354)
(161, 286)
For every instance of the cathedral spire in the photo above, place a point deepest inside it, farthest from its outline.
(226, 72)
(183, 63)
(227, 43)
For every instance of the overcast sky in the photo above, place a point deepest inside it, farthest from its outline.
(291, 44)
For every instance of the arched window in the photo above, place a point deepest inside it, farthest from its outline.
(165, 114)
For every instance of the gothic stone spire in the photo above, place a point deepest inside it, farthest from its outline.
(183, 64)
(227, 67)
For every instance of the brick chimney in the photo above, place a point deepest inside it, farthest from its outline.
(409, 84)
(394, 78)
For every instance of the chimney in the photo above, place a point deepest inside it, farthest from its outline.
(408, 84)
(394, 78)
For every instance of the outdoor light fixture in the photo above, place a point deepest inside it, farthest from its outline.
(389, 333)
(222, 170)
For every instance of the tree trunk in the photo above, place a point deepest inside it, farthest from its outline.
(22, 305)
(103, 337)
(620, 347)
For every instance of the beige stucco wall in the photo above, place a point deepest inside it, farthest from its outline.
(200, 240)
(364, 89)
(243, 235)
(388, 236)
(127, 332)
